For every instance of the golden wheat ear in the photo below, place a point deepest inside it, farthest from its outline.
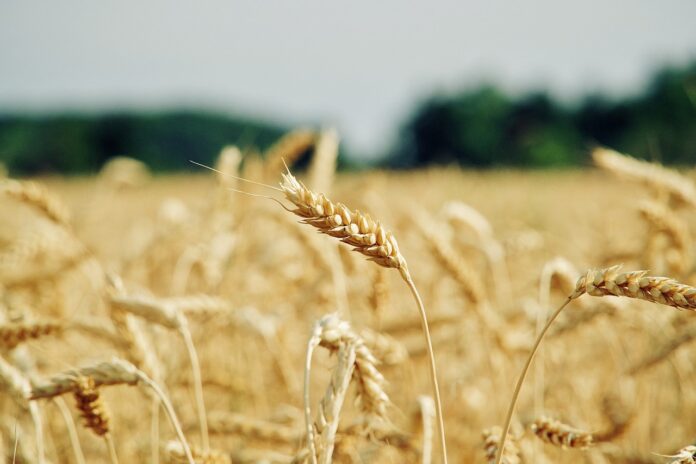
(369, 238)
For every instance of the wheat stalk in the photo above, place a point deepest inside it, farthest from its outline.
(611, 282)
(426, 406)
(166, 314)
(369, 238)
(114, 372)
(19, 388)
(72, 430)
(559, 434)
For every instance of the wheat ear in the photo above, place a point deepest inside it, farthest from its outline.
(335, 334)
(369, 238)
(37, 196)
(93, 411)
(19, 388)
(559, 434)
(330, 405)
(12, 335)
(114, 372)
(656, 176)
(611, 282)
(491, 447)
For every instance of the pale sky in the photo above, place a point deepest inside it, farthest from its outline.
(358, 65)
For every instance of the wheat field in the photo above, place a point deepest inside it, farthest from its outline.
(174, 318)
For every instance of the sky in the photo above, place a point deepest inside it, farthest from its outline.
(360, 66)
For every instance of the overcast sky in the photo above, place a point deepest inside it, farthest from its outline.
(359, 65)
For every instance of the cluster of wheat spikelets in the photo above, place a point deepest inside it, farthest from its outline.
(171, 320)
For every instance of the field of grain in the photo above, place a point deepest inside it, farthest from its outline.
(142, 316)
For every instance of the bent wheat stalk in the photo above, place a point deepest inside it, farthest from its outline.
(369, 238)
(166, 314)
(610, 282)
(114, 372)
(19, 387)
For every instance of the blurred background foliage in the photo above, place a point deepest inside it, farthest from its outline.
(478, 128)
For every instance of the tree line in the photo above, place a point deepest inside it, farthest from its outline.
(481, 128)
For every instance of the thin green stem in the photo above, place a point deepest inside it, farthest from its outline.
(520, 381)
(431, 355)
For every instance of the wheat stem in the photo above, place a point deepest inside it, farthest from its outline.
(197, 385)
(108, 439)
(433, 371)
(154, 431)
(520, 381)
(72, 430)
(169, 409)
